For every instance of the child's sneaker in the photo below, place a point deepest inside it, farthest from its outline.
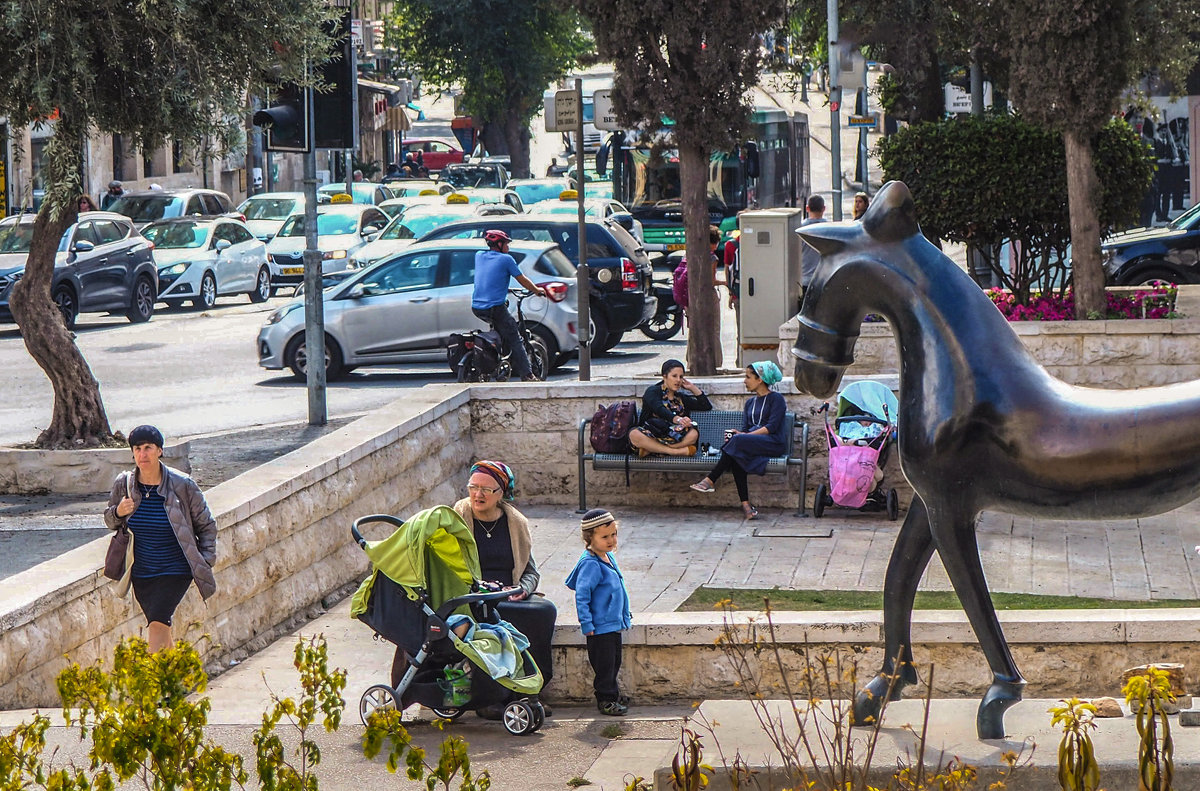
(612, 708)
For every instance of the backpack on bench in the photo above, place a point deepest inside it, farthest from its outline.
(610, 427)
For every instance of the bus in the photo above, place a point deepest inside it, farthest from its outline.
(769, 168)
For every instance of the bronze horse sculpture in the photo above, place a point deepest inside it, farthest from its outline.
(983, 426)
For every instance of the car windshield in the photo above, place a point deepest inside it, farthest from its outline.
(402, 189)
(327, 225)
(1186, 220)
(397, 230)
(532, 193)
(471, 176)
(15, 238)
(177, 235)
(268, 208)
(601, 189)
(421, 224)
(147, 208)
(557, 206)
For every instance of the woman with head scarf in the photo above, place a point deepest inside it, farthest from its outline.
(762, 436)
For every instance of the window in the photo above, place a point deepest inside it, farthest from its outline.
(195, 206)
(107, 231)
(85, 233)
(211, 204)
(408, 273)
(555, 263)
(239, 235)
(462, 267)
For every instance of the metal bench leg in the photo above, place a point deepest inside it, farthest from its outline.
(803, 512)
(582, 468)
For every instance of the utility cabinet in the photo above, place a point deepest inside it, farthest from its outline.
(770, 279)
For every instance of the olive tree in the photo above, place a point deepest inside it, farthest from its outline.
(1070, 64)
(151, 72)
(696, 64)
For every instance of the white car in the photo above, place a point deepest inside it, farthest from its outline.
(202, 258)
(567, 204)
(266, 211)
(342, 228)
(419, 220)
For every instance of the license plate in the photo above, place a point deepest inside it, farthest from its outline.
(673, 247)
(293, 270)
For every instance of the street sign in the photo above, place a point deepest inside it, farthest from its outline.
(602, 111)
(869, 121)
(565, 115)
(958, 100)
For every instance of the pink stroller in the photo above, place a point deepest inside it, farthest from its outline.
(858, 450)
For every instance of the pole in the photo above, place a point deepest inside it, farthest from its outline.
(863, 155)
(835, 99)
(314, 306)
(583, 278)
(976, 83)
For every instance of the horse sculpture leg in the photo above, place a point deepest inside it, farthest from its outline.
(958, 549)
(910, 556)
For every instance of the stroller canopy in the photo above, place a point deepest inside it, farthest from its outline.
(868, 397)
(434, 551)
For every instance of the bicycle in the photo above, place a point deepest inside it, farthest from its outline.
(479, 356)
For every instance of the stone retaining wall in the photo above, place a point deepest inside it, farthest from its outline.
(283, 545)
(1109, 354)
(85, 471)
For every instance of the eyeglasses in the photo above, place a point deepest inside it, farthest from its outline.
(473, 489)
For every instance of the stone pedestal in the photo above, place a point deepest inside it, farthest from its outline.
(84, 471)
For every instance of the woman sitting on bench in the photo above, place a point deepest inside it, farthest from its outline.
(666, 427)
(761, 438)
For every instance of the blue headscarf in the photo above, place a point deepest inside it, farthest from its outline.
(768, 372)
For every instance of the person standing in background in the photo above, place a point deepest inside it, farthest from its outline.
(115, 190)
(809, 257)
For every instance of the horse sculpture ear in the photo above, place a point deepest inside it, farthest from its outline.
(892, 215)
(827, 237)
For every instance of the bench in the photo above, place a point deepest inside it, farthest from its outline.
(712, 426)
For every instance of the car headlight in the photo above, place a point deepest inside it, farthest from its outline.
(277, 315)
(333, 254)
(175, 269)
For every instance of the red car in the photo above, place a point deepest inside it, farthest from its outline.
(436, 151)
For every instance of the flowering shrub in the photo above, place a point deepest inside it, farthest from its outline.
(1151, 303)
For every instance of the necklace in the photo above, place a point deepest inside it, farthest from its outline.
(762, 402)
(486, 528)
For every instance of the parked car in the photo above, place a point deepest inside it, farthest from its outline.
(397, 206)
(436, 152)
(366, 192)
(403, 188)
(103, 265)
(342, 228)
(404, 309)
(622, 293)
(419, 220)
(1145, 256)
(266, 211)
(493, 195)
(474, 175)
(567, 204)
(534, 190)
(146, 206)
(202, 258)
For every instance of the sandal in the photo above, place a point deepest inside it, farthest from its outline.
(749, 512)
(691, 450)
(704, 486)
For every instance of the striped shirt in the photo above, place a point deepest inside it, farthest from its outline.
(156, 550)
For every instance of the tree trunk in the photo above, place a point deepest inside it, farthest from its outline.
(703, 313)
(516, 136)
(1083, 196)
(78, 419)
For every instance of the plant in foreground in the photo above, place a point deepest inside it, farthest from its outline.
(1148, 696)
(1078, 769)
(384, 724)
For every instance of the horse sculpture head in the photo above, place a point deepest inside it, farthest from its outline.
(830, 315)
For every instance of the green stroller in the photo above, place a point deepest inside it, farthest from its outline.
(424, 587)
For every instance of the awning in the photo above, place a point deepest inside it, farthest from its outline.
(386, 88)
(397, 120)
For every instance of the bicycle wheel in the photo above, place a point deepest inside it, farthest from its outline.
(539, 358)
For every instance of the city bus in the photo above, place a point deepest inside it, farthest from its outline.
(769, 168)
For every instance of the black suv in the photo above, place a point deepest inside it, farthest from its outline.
(621, 294)
(102, 265)
(1146, 256)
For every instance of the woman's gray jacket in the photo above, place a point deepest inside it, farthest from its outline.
(188, 513)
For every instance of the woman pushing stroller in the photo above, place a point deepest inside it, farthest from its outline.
(761, 438)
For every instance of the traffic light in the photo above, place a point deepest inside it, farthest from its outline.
(334, 110)
(285, 122)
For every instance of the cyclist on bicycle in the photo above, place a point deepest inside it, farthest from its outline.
(493, 268)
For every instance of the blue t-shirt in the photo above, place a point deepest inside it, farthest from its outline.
(492, 272)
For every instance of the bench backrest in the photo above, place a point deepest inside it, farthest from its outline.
(713, 425)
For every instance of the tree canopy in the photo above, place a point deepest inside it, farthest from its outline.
(503, 55)
(177, 69)
(696, 64)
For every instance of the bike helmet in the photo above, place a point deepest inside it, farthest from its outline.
(495, 235)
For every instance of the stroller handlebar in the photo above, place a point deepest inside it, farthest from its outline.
(358, 536)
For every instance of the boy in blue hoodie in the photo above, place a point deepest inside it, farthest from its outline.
(603, 606)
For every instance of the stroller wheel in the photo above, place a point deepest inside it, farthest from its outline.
(447, 714)
(819, 501)
(539, 714)
(376, 698)
(519, 718)
(893, 505)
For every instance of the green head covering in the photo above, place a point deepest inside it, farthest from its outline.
(767, 371)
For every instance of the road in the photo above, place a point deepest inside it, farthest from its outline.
(195, 372)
